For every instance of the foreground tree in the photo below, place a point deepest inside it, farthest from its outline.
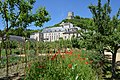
(18, 13)
(105, 34)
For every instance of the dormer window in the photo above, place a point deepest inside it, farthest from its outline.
(68, 29)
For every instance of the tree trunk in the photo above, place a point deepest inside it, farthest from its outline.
(113, 63)
(6, 51)
(0, 53)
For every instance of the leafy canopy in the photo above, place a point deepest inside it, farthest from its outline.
(18, 13)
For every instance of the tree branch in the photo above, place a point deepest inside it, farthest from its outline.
(108, 50)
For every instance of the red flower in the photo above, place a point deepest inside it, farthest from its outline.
(66, 52)
(84, 58)
(54, 57)
(69, 65)
(78, 55)
(41, 67)
(70, 52)
(86, 63)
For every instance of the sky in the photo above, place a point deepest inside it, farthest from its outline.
(58, 9)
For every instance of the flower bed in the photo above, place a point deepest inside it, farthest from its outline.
(73, 65)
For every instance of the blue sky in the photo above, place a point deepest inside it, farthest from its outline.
(58, 9)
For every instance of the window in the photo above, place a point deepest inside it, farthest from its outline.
(50, 38)
(65, 29)
(59, 35)
(65, 37)
(36, 38)
(54, 37)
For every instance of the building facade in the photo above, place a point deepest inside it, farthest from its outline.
(37, 36)
(64, 31)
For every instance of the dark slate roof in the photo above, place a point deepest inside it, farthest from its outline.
(19, 38)
(54, 29)
(70, 32)
(63, 28)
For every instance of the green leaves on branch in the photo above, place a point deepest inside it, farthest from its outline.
(41, 16)
(18, 13)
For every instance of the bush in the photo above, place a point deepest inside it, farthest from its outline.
(17, 52)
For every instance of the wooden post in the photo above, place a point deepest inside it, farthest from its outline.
(25, 57)
(37, 54)
(0, 53)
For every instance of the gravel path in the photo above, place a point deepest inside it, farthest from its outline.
(19, 68)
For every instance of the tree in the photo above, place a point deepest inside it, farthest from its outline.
(18, 13)
(77, 17)
(105, 33)
(75, 42)
(0, 44)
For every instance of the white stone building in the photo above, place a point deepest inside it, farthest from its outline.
(37, 36)
(65, 31)
(70, 15)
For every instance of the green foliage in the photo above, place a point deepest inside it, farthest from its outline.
(75, 42)
(20, 31)
(13, 44)
(102, 33)
(18, 13)
(83, 23)
(78, 21)
(105, 32)
(77, 17)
